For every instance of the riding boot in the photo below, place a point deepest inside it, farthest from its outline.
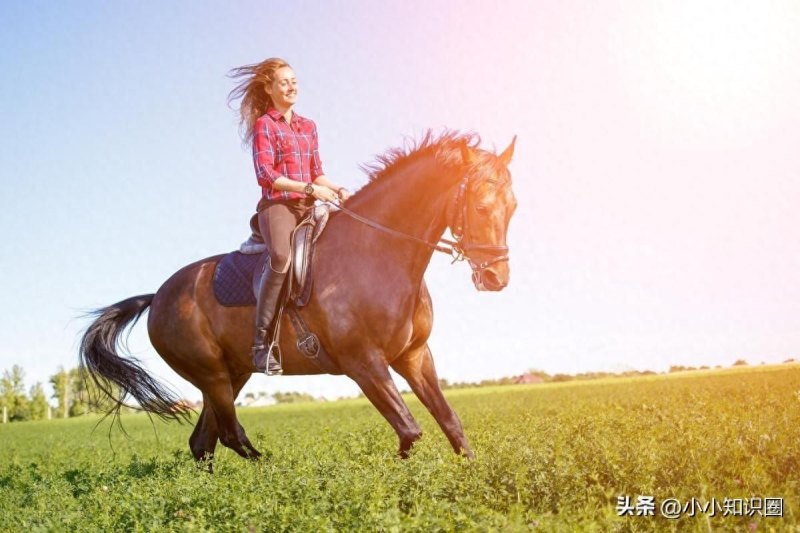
(266, 307)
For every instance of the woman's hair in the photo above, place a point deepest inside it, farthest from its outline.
(251, 89)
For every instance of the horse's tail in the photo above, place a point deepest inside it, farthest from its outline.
(115, 377)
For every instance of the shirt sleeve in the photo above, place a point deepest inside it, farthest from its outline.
(316, 163)
(264, 155)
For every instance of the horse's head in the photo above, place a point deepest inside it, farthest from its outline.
(480, 215)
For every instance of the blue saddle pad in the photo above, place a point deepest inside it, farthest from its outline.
(233, 279)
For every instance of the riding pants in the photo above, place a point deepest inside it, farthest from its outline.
(276, 221)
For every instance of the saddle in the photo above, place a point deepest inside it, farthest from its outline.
(303, 238)
(247, 265)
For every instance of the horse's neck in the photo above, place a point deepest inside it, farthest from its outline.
(407, 199)
(412, 200)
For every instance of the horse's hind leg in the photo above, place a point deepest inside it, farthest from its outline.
(221, 394)
(377, 384)
(238, 383)
(203, 441)
(204, 438)
(416, 366)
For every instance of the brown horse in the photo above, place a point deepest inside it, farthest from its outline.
(369, 306)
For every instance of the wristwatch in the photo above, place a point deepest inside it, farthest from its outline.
(309, 189)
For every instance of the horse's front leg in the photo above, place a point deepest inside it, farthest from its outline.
(372, 375)
(416, 367)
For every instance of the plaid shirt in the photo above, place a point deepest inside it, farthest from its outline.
(288, 149)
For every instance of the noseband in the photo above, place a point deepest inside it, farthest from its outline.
(460, 248)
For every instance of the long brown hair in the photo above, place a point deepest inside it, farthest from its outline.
(252, 90)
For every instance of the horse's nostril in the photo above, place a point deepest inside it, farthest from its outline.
(492, 281)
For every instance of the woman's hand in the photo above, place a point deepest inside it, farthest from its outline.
(343, 193)
(321, 192)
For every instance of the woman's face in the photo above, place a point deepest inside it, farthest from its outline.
(284, 88)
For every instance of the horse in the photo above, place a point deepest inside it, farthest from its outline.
(369, 304)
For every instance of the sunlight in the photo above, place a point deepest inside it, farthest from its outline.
(712, 70)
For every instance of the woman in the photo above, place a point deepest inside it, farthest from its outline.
(289, 171)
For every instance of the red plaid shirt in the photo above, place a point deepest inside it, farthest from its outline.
(288, 149)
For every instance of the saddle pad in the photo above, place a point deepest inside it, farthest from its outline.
(233, 279)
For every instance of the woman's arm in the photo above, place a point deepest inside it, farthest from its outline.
(285, 184)
(321, 191)
(264, 155)
(340, 191)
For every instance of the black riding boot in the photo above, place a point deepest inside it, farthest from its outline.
(268, 296)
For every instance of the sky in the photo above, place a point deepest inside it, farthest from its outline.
(655, 168)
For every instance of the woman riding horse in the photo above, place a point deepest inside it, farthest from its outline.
(289, 171)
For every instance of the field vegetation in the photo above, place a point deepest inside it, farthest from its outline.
(550, 457)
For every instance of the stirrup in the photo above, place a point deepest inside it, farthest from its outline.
(272, 366)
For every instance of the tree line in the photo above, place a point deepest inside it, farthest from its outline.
(543, 377)
(75, 395)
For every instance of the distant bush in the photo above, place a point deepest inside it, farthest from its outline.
(293, 397)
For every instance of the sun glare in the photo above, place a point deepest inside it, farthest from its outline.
(713, 70)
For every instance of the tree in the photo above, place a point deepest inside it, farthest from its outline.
(293, 397)
(39, 405)
(740, 362)
(62, 386)
(12, 394)
(82, 393)
(78, 394)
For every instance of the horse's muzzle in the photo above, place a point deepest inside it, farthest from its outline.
(489, 280)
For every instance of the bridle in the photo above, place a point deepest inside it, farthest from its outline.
(461, 247)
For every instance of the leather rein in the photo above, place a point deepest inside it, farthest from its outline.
(460, 248)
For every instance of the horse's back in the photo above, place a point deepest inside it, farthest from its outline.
(181, 289)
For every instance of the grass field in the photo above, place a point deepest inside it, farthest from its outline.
(549, 457)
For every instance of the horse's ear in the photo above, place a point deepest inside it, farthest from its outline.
(467, 155)
(505, 157)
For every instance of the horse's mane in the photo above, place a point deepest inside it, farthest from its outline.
(446, 147)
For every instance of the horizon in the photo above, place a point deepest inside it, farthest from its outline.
(588, 375)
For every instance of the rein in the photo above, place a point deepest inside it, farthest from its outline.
(457, 249)
(371, 223)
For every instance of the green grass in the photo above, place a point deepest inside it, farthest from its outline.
(549, 457)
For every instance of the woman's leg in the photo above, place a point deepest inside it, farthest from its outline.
(276, 223)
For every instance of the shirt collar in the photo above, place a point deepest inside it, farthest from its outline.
(276, 115)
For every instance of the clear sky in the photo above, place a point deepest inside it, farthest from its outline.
(656, 168)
